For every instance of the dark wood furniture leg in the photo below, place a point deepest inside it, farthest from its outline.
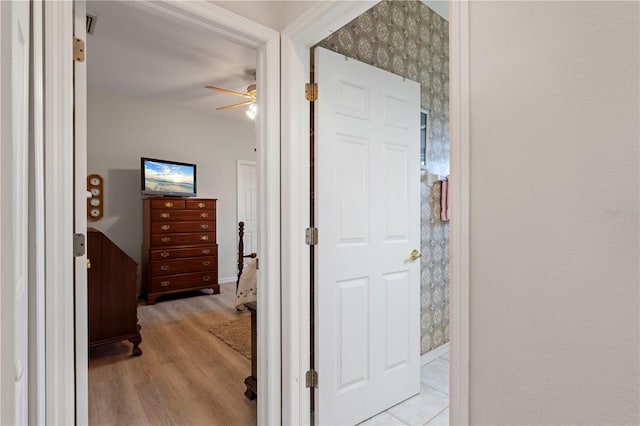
(251, 381)
(136, 343)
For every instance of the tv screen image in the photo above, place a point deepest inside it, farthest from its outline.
(160, 177)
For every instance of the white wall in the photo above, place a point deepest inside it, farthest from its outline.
(123, 129)
(273, 14)
(554, 213)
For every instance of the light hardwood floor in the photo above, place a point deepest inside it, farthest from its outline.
(186, 376)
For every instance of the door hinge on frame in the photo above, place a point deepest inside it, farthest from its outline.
(311, 236)
(78, 49)
(311, 91)
(311, 379)
(78, 245)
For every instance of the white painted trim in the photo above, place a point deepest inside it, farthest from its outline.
(58, 25)
(297, 39)
(80, 219)
(37, 333)
(434, 354)
(58, 139)
(227, 280)
(459, 228)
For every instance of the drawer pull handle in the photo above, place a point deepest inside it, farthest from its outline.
(206, 278)
(204, 237)
(206, 251)
(201, 205)
(204, 226)
(165, 227)
(164, 267)
(165, 239)
(206, 263)
(164, 254)
(168, 204)
(165, 215)
(165, 283)
(203, 215)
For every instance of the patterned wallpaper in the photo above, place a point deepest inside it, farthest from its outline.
(409, 39)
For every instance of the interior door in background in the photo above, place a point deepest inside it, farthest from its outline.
(368, 219)
(247, 199)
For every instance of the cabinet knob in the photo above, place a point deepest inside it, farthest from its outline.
(206, 278)
(204, 215)
(164, 254)
(165, 283)
(206, 263)
(165, 215)
(201, 205)
(204, 237)
(164, 267)
(165, 227)
(206, 251)
(204, 226)
(165, 239)
(168, 204)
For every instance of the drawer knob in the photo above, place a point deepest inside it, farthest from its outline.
(164, 267)
(204, 215)
(206, 263)
(164, 254)
(168, 204)
(165, 283)
(165, 215)
(165, 239)
(206, 278)
(206, 251)
(201, 205)
(204, 226)
(204, 237)
(165, 227)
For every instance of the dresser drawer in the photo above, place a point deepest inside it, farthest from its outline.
(175, 227)
(178, 266)
(171, 282)
(167, 204)
(172, 215)
(200, 204)
(172, 253)
(182, 239)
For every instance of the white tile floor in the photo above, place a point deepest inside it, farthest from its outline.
(429, 408)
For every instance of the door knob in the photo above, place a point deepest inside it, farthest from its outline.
(415, 254)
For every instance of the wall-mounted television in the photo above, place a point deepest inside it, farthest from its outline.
(168, 178)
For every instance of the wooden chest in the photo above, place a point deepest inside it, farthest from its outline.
(179, 251)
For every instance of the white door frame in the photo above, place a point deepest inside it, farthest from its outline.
(296, 41)
(60, 394)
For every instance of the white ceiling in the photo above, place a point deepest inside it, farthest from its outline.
(151, 56)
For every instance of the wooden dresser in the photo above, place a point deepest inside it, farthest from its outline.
(179, 250)
(111, 293)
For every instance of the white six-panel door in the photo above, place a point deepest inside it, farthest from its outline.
(368, 220)
(247, 199)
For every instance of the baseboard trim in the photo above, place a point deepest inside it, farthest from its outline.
(433, 354)
(227, 280)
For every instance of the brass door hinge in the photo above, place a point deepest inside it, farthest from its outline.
(311, 379)
(78, 49)
(311, 92)
(311, 236)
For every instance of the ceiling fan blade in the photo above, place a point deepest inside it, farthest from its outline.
(235, 105)
(230, 92)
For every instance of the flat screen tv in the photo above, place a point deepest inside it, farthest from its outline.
(169, 178)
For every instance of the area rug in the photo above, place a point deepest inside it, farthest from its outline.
(235, 334)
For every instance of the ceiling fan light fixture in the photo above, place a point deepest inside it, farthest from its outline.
(252, 111)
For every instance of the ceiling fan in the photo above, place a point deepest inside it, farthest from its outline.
(250, 95)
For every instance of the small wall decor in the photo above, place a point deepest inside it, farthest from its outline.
(95, 204)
